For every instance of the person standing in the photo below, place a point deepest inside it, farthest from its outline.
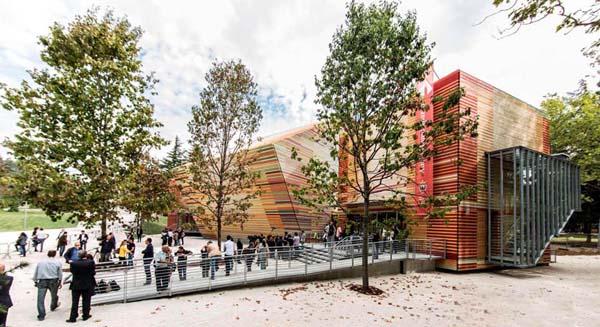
(163, 236)
(62, 243)
(214, 255)
(83, 239)
(148, 256)
(72, 253)
(5, 300)
(113, 240)
(42, 236)
(302, 238)
(106, 248)
(123, 252)
(205, 261)
(47, 277)
(263, 253)
(131, 254)
(229, 250)
(163, 261)
(82, 286)
(181, 255)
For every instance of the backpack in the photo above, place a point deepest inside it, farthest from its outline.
(114, 286)
(102, 287)
(330, 230)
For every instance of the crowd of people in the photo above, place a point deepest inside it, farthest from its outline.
(170, 257)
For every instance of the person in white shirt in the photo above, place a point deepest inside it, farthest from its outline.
(48, 276)
(42, 236)
(229, 248)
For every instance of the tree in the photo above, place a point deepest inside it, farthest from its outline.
(575, 130)
(175, 157)
(85, 119)
(526, 12)
(8, 196)
(149, 194)
(368, 101)
(222, 129)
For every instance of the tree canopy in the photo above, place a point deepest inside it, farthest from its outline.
(175, 157)
(85, 119)
(223, 127)
(369, 104)
(575, 130)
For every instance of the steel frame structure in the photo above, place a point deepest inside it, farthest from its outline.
(531, 196)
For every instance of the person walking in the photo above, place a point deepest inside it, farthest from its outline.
(163, 261)
(47, 277)
(22, 244)
(229, 248)
(5, 300)
(82, 286)
(72, 253)
(42, 236)
(169, 237)
(34, 239)
(214, 255)
(148, 256)
(123, 252)
(239, 248)
(83, 239)
(249, 255)
(139, 233)
(181, 255)
(62, 243)
(181, 236)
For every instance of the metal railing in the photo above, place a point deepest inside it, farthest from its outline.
(134, 280)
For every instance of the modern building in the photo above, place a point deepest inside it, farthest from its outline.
(275, 210)
(524, 197)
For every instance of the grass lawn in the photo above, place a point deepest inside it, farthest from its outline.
(574, 239)
(14, 221)
(155, 227)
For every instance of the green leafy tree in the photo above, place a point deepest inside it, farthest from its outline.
(149, 193)
(368, 101)
(85, 119)
(9, 198)
(175, 157)
(575, 130)
(222, 129)
(583, 15)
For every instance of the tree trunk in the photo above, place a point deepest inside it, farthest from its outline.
(219, 231)
(103, 227)
(365, 250)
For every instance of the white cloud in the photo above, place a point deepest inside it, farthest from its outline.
(284, 43)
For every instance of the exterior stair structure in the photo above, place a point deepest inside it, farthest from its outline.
(531, 197)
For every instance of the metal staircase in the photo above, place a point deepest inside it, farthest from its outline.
(531, 197)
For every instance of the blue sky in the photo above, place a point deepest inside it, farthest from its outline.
(284, 43)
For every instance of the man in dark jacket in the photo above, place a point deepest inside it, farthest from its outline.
(107, 246)
(82, 285)
(148, 253)
(5, 301)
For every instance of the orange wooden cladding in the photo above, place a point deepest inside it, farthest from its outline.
(504, 121)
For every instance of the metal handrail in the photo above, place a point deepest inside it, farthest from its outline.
(277, 264)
